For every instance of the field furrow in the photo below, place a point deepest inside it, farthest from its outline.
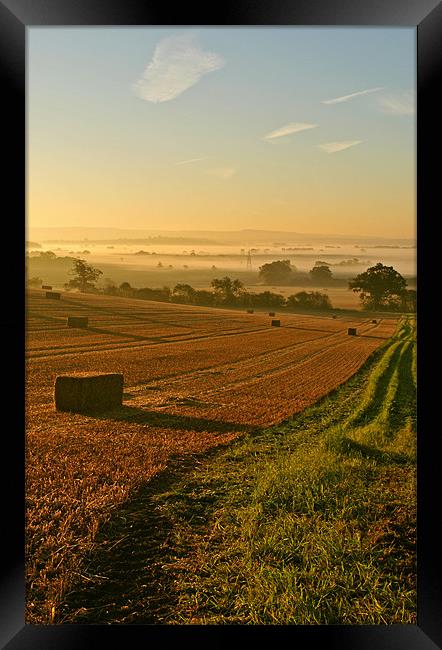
(194, 378)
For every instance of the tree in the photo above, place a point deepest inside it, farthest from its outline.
(267, 299)
(409, 300)
(309, 300)
(110, 287)
(85, 276)
(183, 293)
(380, 287)
(321, 273)
(276, 272)
(204, 297)
(227, 290)
(126, 289)
(146, 293)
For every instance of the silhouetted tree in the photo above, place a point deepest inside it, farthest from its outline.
(227, 290)
(183, 293)
(310, 300)
(204, 297)
(321, 273)
(266, 299)
(380, 287)
(146, 293)
(409, 300)
(278, 272)
(85, 276)
(125, 288)
(110, 287)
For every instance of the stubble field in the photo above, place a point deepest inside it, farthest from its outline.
(194, 378)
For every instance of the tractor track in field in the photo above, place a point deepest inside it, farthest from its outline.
(232, 367)
(148, 343)
(224, 368)
(40, 353)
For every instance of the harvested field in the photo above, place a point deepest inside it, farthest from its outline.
(194, 378)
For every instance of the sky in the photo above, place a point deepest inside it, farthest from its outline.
(275, 128)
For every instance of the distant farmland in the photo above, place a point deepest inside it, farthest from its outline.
(194, 378)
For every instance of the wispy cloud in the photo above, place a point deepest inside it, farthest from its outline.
(222, 172)
(178, 63)
(346, 98)
(398, 104)
(333, 147)
(288, 129)
(191, 160)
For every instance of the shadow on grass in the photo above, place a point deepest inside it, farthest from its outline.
(129, 578)
(374, 406)
(351, 447)
(404, 403)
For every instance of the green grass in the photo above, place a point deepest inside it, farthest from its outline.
(310, 522)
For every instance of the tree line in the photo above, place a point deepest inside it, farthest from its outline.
(380, 288)
(224, 292)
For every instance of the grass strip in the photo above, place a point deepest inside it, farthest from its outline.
(290, 527)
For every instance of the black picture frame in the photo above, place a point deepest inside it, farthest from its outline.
(15, 17)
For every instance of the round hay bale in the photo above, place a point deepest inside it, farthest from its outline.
(276, 323)
(53, 295)
(352, 331)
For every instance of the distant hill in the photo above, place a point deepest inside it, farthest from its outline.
(245, 237)
(151, 241)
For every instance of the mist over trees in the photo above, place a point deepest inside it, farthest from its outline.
(381, 288)
(284, 273)
(279, 272)
(321, 273)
